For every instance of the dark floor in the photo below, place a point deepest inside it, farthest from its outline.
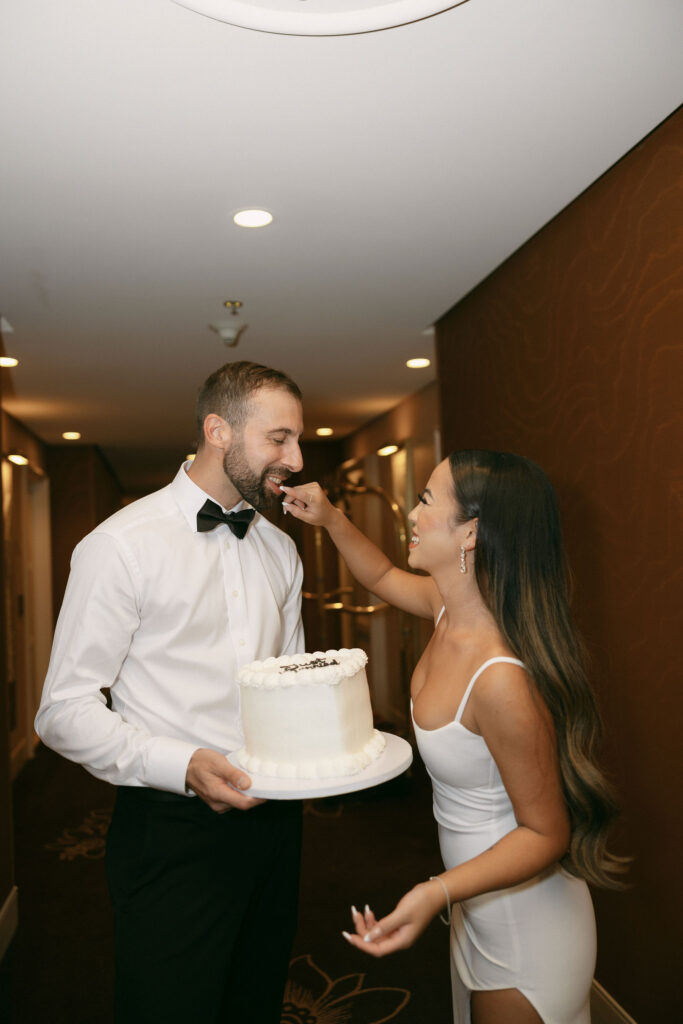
(366, 847)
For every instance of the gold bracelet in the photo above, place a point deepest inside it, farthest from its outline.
(435, 878)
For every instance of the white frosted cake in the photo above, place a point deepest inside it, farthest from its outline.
(308, 716)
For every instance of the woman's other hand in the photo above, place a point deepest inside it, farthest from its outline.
(309, 503)
(402, 927)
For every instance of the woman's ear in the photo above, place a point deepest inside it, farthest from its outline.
(472, 534)
(217, 432)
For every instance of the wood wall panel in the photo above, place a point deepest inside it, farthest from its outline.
(571, 353)
(83, 493)
(414, 419)
(7, 875)
(321, 459)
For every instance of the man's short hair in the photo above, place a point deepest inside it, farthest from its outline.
(228, 390)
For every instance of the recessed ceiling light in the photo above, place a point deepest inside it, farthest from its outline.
(389, 449)
(324, 431)
(71, 435)
(252, 218)
(418, 364)
(18, 460)
(8, 361)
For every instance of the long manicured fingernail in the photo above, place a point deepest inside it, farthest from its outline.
(284, 507)
(354, 912)
(367, 909)
(347, 937)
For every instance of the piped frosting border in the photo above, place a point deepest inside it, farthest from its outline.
(321, 668)
(322, 768)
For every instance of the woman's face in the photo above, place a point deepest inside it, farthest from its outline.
(435, 540)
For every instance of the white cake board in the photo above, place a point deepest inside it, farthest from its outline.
(394, 759)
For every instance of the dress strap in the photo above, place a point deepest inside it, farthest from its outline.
(439, 616)
(491, 661)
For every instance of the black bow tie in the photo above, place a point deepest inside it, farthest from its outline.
(211, 514)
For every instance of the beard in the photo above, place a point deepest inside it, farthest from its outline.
(252, 486)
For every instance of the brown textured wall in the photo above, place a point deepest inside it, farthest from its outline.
(571, 353)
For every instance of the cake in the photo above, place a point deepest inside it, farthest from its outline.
(308, 716)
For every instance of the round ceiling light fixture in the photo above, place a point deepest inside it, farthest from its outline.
(324, 431)
(71, 435)
(8, 361)
(418, 364)
(319, 17)
(253, 218)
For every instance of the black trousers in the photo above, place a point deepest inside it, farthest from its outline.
(205, 908)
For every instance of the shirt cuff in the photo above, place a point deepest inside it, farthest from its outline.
(166, 764)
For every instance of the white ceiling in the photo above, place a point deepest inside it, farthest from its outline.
(401, 166)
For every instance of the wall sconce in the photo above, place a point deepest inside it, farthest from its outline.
(388, 449)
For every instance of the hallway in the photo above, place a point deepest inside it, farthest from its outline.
(569, 352)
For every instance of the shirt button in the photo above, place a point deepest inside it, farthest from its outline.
(243, 643)
(235, 593)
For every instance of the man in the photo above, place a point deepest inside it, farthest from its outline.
(163, 606)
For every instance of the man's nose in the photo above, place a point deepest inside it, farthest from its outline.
(295, 460)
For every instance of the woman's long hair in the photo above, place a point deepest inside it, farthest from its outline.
(522, 575)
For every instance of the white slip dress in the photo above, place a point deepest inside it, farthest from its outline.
(537, 937)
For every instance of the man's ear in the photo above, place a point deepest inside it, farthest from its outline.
(217, 432)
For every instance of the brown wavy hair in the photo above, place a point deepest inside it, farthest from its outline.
(521, 571)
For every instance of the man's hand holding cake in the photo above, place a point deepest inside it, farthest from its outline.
(219, 784)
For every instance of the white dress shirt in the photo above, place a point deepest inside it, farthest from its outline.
(165, 617)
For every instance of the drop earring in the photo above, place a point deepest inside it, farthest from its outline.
(463, 560)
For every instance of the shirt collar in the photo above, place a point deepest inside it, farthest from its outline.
(190, 498)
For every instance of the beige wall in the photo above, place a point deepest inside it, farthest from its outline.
(572, 353)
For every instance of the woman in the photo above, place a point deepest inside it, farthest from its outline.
(506, 723)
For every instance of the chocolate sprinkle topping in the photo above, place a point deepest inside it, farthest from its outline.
(315, 663)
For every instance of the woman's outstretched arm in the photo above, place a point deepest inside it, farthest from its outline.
(370, 566)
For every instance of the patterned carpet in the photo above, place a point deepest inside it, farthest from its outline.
(365, 847)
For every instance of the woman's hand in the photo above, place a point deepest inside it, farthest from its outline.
(309, 503)
(402, 927)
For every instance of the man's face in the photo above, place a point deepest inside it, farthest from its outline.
(266, 450)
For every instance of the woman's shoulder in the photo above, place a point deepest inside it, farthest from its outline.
(504, 694)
